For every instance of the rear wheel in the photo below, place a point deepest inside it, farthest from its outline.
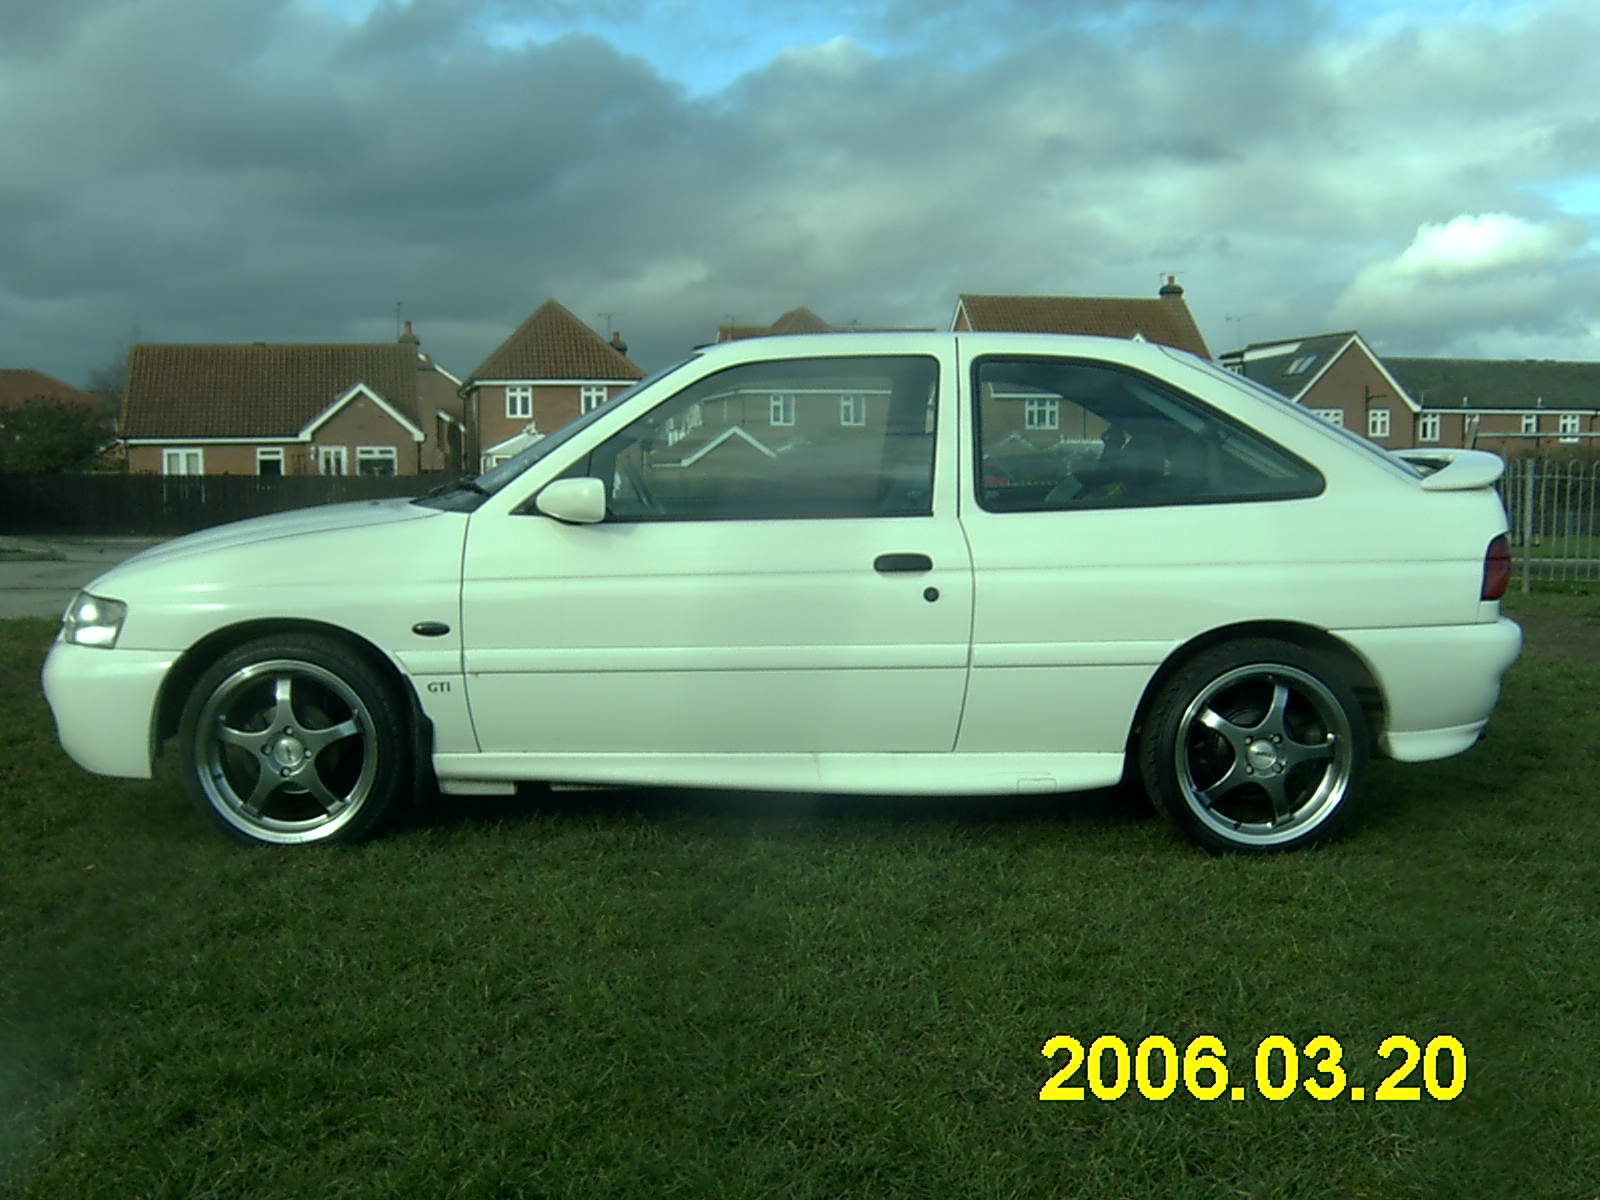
(1255, 745)
(294, 739)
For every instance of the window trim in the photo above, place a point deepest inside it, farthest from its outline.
(269, 454)
(1315, 486)
(588, 399)
(326, 453)
(386, 454)
(1041, 413)
(523, 393)
(180, 453)
(1378, 423)
(1429, 427)
(853, 409)
(1333, 416)
(1530, 423)
(780, 410)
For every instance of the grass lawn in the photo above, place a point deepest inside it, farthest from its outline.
(643, 994)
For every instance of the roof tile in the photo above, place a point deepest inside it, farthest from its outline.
(259, 389)
(553, 344)
(1167, 321)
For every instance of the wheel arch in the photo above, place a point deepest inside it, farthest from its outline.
(1350, 665)
(194, 661)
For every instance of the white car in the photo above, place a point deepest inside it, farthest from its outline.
(871, 563)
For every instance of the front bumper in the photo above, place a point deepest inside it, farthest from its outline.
(104, 703)
(1439, 683)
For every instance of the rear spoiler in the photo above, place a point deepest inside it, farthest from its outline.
(1446, 470)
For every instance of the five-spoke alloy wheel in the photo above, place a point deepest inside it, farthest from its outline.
(1255, 745)
(293, 739)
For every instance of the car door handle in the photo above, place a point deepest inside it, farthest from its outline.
(889, 563)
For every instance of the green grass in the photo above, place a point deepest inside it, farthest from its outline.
(641, 994)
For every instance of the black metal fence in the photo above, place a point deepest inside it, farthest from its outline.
(166, 505)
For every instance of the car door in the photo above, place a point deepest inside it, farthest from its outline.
(780, 571)
(1113, 516)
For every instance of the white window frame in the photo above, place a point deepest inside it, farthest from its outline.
(1428, 427)
(338, 455)
(386, 454)
(266, 454)
(591, 396)
(782, 408)
(178, 460)
(519, 401)
(1040, 413)
(1530, 422)
(1377, 422)
(852, 409)
(1333, 416)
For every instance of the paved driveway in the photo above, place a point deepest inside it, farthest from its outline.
(39, 575)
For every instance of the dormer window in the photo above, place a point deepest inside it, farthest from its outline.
(1301, 365)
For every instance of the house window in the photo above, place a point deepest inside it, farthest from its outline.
(1569, 423)
(695, 417)
(1333, 416)
(783, 408)
(1042, 414)
(183, 462)
(269, 460)
(375, 460)
(852, 409)
(590, 396)
(519, 402)
(1377, 422)
(331, 460)
(1530, 422)
(1428, 427)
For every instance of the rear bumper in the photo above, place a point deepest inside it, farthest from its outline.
(1439, 683)
(103, 702)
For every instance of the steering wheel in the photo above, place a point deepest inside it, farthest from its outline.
(635, 478)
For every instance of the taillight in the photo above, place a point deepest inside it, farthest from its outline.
(1496, 568)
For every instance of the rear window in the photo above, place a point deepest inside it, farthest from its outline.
(1070, 434)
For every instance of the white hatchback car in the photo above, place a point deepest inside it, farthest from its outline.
(872, 563)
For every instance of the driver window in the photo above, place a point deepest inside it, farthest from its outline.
(810, 437)
(1059, 434)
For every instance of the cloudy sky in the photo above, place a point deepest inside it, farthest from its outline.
(292, 170)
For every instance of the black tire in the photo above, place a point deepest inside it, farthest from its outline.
(294, 739)
(1255, 745)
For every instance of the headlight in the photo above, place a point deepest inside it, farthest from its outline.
(93, 620)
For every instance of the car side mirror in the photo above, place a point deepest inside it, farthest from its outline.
(575, 501)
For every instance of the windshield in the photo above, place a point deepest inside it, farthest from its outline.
(497, 477)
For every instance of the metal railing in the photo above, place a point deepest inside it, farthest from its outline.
(1554, 511)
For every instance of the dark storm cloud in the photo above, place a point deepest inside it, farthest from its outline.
(237, 169)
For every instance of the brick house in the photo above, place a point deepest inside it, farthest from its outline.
(1338, 377)
(290, 409)
(1510, 406)
(552, 368)
(1165, 320)
(1506, 406)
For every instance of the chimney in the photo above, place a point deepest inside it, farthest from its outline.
(408, 337)
(617, 344)
(1170, 289)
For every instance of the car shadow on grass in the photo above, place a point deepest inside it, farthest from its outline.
(1122, 805)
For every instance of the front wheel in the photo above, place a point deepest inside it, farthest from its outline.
(1255, 745)
(294, 739)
